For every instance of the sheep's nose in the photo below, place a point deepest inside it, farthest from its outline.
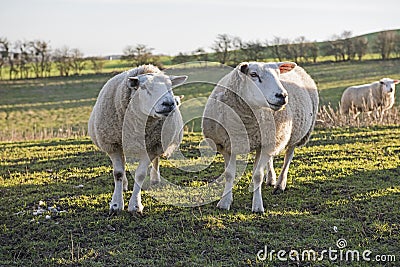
(168, 105)
(390, 90)
(282, 98)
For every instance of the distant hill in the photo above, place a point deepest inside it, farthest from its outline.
(372, 36)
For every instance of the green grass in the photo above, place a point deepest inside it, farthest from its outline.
(52, 107)
(344, 178)
(55, 105)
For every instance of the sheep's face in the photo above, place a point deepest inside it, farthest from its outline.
(264, 87)
(388, 85)
(154, 92)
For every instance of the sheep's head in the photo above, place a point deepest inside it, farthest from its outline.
(264, 88)
(388, 85)
(154, 92)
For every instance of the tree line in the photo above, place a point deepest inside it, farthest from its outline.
(231, 50)
(25, 59)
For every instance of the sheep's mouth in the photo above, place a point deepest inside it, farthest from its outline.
(275, 107)
(164, 112)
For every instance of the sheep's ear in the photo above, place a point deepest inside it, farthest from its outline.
(244, 67)
(286, 66)
(396, 81)
(133, 82)
(177, 80)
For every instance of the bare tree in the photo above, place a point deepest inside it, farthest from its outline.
(200, 55)
(287, 50)
(236, 52)
(295, 50)
(183, 58)
(396, 49)
(221, 46)
(97, 64)
(335, 47)
(348, 44)
(253, 50)
(41, 57)
(23, 59)
(311, 51)
(128, 53)
(77, 61)
(4, 54)
(62, 60)
(12, 58)
(139, 54)
(360, 47)
(276, 46)
(299, 47)
(385, 44)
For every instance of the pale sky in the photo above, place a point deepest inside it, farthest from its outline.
(105, 27)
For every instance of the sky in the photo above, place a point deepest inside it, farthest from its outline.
(106, 27)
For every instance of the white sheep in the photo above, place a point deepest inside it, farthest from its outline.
(378, 95)
(133, 111)
(265, 107)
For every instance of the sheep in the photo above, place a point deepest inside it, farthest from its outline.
(374, 96)
(133, 111)
(262, 107)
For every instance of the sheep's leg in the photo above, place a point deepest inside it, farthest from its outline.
(124, 178)
(270, 177)
(124, 182)
(282, 180)
(155, 172)
(135, 203)
(120, 181)
(258, 174)
(230, 170)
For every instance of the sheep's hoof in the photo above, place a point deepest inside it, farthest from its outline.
(135, 209)
(277, 191)
(270, 182)
(258, 209)
(115, 209)
(223, 205)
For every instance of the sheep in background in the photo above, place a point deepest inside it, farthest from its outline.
(374, 96)
(131, 111)
(263, 107)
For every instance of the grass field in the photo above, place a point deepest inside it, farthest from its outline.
(60, 106)
(55, 190)
(344, 184)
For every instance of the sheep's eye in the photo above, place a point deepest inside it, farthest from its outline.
(255, 75)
